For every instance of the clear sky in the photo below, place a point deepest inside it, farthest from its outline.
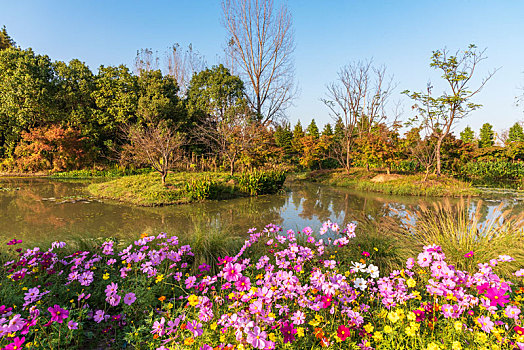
(328, 34)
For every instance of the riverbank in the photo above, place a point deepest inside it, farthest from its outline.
(183, 187)
(412, 185)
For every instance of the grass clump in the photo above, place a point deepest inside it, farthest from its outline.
(184, 187)
(466, 236)
(90, 173)
(414, 185)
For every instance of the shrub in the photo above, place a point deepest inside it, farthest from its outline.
(261, 182)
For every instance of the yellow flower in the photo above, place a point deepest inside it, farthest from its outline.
(369, 328)
(458, 326)
(300, 331)
(378, 336)
(240, 347)
(169, 306)
(416, 293)
(412, 316)
(383, 313)
(393, 317)
(193, 300)
(481, 337)
(105, 276)
(213, 326)
(411, 283)
(410, 331)
(272, 337)
(271, 315)
(433, 346)
(222, 338)
(159, 278)
(189, 341)
(456, 346)
(388, 329)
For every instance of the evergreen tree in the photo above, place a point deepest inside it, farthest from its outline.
(516, 133)
(5, 40)
(487, 136)
(298, 134)
(339, 130)
(283, 138)
(467, 135)
(328, 130)
(312, 129)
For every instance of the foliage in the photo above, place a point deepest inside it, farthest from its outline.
(486, 136)
(261, 182)
(5, 40)
(51, 148)
(500, 169)
(90, 173)
(516, 133)
(467, 135)
(279, 289)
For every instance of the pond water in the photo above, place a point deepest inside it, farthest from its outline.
(43, 210)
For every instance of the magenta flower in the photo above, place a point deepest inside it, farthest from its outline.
(366, 254)
(288, 331)
(257, 338)
(195, 327)
(326, 301)
(497, 297)
(58, 314)
(232, 272)
(18, 343)
(469, 254)
(13, 242)
(243, 284)
(485, 323)
(129, 298)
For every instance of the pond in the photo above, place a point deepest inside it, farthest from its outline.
(41, 210)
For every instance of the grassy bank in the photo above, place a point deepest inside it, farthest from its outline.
(364, 180)
(181, 187)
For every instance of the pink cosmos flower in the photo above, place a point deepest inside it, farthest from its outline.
(129, 298)
(469, 254)
(232, 272)
(512, 312)
(243, 284)
(298, 318)
(447, 310)
(257, 338)
(485, 323)
(424, 259)
(99, 316)
(18, 343)
(497, 297)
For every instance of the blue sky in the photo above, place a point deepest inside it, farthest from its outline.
(328, 34)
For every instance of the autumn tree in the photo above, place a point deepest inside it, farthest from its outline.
(261, 43)
(441, 113)
(154, 143)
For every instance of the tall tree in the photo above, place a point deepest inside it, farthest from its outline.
(27, 92)
(182, 64)
(312, 130)
(5, 40)
(441, 113)
(515, 133)
(486, 136)
(357, 100)
(467, 135)
(261, 43)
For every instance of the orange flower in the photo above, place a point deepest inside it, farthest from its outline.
(183, 326)
(189, 341)
(319, 333)
(162, 298)
(143, 235)
(155, 336)
(324, 342)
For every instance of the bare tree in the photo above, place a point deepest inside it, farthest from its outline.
(359, 98)
(154, 144)
(146, 60)
(261, 43)
(229, 134)
(441, 113)
(182, 64)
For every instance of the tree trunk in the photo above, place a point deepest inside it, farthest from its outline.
(427, 173)
(232, 167)
(164, 175)
(437, 151)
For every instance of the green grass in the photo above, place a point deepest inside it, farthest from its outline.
(90, 173)
(413, 185)
(184, 187)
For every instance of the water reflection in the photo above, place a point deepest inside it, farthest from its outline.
(37, 210)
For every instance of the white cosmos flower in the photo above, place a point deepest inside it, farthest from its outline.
(360, 283)
(358, 266)
(373, 271)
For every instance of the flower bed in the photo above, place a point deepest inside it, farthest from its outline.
(282, 289)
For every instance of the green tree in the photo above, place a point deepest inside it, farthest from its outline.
(467, 135)
(27, 92)
(116, 97)
(298, 134)
(158, 98)
(516, 133)
(283, 139)
(312, 130)
(328, 130)
(5, 40)
(441, 113)
(486, 136)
